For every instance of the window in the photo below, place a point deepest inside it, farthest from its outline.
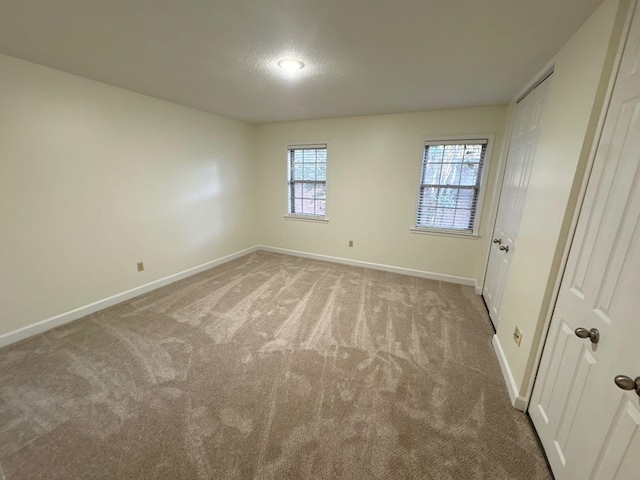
(450, 186)
(307, 180)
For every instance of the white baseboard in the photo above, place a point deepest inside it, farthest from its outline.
(375, 266)
(478, 288)
(518, 401)
(49, 323)
(66, 317)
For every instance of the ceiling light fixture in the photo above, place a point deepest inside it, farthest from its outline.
(290, 65)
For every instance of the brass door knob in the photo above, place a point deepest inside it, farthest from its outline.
(628, 383)
(593, 334)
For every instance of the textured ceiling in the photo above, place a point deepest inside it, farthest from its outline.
(363, 57)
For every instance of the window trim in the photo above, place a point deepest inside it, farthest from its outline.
(306, 217)
(455, 139)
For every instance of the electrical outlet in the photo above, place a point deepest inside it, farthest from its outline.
(517, 336)
(140, 266)
(351, 243)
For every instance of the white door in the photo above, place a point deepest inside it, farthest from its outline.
(522, 149)
(589, 426)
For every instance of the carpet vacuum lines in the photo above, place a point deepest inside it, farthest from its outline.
(268, 366)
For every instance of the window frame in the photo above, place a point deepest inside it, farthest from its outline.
(300, 216)
(455, 140)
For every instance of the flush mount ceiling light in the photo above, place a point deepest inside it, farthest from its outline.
(290, 65)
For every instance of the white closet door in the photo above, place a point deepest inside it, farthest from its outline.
(588, 424)
(522, 150)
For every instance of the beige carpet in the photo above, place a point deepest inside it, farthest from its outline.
(268, 367)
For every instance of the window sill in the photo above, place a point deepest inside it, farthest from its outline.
(303, 218)
(444, 233)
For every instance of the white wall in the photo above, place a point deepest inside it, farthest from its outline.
(94, 179)
(582, 72)
(373, 171)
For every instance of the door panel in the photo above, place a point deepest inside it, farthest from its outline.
(524, 139)
(560, 395)
(619, 454)
(588, 426)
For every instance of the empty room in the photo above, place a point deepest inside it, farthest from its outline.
(296, 239)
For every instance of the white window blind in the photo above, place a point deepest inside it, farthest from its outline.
(450, 185)
(307, 180)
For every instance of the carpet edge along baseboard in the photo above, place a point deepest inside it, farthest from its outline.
(33, 329)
